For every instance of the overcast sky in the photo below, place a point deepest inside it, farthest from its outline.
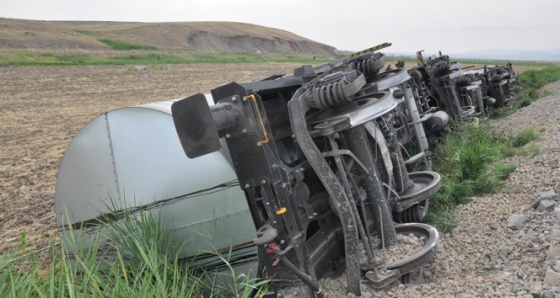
(450, 26)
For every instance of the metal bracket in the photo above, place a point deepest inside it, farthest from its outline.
(252, 98)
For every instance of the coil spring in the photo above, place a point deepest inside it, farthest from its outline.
(366, 66)
(462, 81)
(371, 65)
(330, 94)
(441, 68)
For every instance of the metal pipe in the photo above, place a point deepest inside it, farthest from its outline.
(343, 171)
(402, 182)
(304, 277)
(358, 143)
(297, 107)
(419, 132)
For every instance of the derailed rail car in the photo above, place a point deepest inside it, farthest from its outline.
(301, 173)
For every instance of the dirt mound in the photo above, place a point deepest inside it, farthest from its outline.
(208, 41)
(189, 36)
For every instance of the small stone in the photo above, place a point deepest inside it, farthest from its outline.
(557, 188)
(553, 253)
(557, 214)
(141, 67)
(555, 234)
(528, 234)
(549, 195)
(551, 277)
(546, 205)
(366, 295)
(515, 221)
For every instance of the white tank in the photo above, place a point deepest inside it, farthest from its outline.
(133, 155)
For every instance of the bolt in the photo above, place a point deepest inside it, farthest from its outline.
(244, 130)
(228, 136)
(268, 203)
(282, 241)
(263, 181)
(247, 185)
(234, 98)
(310, 216)
(274, 222)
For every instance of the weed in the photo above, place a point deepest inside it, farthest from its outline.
(442, 219)
(125, 46)
(502, 170)
(524, 137)
(531, 149)
(523, 101)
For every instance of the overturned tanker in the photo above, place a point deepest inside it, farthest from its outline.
(292, 168)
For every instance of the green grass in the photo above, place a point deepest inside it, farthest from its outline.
(469, 159)
(532, 80)
(147, 54)
(139, 262)
(147, 57)
(125, 46)
(523, 138)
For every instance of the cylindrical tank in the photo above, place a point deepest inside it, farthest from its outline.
(132, 157)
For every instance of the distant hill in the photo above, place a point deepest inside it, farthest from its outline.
(189, 36)
(551, 55)
(505, 54)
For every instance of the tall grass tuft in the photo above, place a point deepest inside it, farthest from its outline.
(467, 160)
(524, 137)
(133, 258)
(470, 161)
